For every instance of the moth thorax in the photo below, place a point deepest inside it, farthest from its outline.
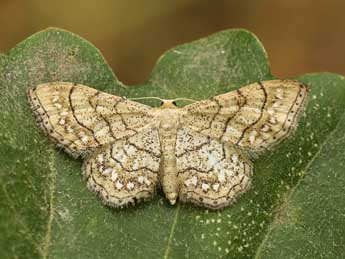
(167, 126)
(168, 120)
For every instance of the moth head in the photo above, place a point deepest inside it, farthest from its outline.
(166, 104)
(172, 104)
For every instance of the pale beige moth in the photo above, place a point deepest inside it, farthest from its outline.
(197, 153)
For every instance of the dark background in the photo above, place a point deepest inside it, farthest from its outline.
(300, 36)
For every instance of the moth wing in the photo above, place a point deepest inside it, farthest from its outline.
(80, 118)
(212, 174)
(125, 171)
(255, 117)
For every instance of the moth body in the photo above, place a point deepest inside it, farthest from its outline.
(168, 124)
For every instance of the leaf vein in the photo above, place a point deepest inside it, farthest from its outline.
(172, 230)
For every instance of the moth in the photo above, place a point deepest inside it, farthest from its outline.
(197, 153)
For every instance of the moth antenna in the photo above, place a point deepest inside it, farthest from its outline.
(144, 98)
(185, 99)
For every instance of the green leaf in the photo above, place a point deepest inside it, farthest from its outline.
(311, 219)
(46, 210)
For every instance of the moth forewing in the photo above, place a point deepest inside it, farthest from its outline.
(255, 117)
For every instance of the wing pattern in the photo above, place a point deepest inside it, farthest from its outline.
(255, 117)
(211, 174)
(80, 118)
(125, 171)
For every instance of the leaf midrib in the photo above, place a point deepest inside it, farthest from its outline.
(172, 230)
(52, 186)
